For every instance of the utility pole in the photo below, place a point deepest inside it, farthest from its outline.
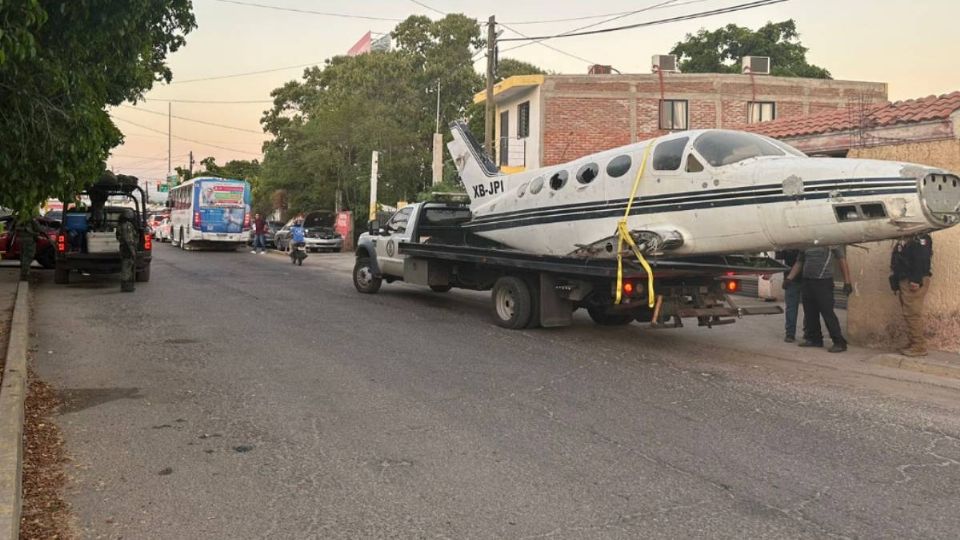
(437, 145)
(374, 164)
(491, 69)
(169, 137)
(191, 163)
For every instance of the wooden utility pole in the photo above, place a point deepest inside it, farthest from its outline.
(169, 137)
(491, 73)
(374, 165)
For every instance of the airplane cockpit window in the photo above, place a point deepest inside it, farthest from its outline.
(536, 185)
(558, 180)
(785, 147)
(619, 166)
(693, 164)
(588, 173)
(669, 154)
(721, 148)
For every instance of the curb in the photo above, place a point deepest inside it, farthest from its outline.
(12, 395)
(920, 365)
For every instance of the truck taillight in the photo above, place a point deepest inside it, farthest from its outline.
(731, 285)
(246, 221)
(196, 219)
(628, 288)
(62, 243)
(147, 241)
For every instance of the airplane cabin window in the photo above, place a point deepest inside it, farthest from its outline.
(588, 173)
(619, 166)
(522, 189)
(721, 148)
(668, 155)
(693, 164)
(558, 180)
(536, 185)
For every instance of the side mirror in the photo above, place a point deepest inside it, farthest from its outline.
(382, 232)
(374, 227)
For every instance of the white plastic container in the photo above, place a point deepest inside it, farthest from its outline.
(102, 242)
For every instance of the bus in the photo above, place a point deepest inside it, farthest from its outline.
(210, 212)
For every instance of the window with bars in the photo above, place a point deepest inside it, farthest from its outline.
(523, 120)
(761, 111)
(673, 114)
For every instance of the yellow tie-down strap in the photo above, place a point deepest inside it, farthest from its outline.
(623, 235)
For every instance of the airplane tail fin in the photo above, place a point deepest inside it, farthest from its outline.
(474, 165)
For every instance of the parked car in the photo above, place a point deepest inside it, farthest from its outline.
(318, 233)
(273, 227)
(163, 232)
(46, 253)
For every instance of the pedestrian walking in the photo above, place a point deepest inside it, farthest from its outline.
(815, 267)
(259, 234)
(791, 295)
(910, 279)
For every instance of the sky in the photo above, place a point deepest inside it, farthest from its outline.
(910, 44)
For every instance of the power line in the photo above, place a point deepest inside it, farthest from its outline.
(309, 11)
(158, 113)
(600, 16)
(245, 74)
(421, 4)
(551, 47)
(691, 16)
(186, 139)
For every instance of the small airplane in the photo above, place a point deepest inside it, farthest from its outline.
(701, 192)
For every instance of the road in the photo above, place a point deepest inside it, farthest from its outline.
(237, 396)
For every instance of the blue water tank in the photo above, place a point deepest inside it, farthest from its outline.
(76, 221)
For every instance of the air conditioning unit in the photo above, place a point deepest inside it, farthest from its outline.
(665, 62)
(756, 65)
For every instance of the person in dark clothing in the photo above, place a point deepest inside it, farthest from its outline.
(129, 238)
(815, 265)
(910, 279)
(791, 295)
(259, 234)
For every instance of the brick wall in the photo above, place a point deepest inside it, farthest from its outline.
(587, 114)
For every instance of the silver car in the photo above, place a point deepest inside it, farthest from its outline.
(318, 233)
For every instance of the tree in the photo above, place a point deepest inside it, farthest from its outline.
(61, 64)
(508, 67)
(721, 50)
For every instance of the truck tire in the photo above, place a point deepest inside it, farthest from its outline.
(604, 318)
(61, 276)
(363, 277)
(143, 276)
(512, 302)
(441, 288)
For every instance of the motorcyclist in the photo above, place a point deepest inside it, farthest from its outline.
(297, 239)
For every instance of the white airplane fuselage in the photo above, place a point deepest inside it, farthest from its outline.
(703, 192)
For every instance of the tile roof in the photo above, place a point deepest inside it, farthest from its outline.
(875, 115)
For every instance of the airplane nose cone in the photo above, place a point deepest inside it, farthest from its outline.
(940, 194)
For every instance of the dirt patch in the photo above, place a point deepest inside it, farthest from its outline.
(45, 514)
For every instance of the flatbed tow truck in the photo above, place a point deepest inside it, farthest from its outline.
(424, 244)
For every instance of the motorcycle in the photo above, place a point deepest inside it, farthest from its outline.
(298, 252)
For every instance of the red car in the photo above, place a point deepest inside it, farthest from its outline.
(10, 242)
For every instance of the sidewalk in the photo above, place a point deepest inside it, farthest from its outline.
(9, 278)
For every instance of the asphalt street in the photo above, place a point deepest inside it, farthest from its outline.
(238, 396)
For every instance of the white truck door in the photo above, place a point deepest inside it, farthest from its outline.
(388, 258)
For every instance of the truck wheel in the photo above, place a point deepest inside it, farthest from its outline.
(47, 258)
(363, 277)
(603, 318)
(143, 275)
(441, 288)
(512, 302)
(61, 276)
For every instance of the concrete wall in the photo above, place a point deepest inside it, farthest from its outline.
(873, 317)
(524, 153)
(583, 114)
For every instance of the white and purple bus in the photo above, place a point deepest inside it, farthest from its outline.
(210, 212)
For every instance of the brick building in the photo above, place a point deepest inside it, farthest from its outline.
(547, 119)
(924, 131)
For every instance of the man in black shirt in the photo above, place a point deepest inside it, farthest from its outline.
(791, 295)
(816, 266)
(910, 264)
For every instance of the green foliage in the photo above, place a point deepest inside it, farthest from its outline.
(61, 64)
(326, 125)
(721, 50)
(508, 67)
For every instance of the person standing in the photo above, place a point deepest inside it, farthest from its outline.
(791, 295)
(815, 266)
(128, 237)
(910, 264)
(259, 234)
(27, 231)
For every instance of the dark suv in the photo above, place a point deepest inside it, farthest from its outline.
(87, 238)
